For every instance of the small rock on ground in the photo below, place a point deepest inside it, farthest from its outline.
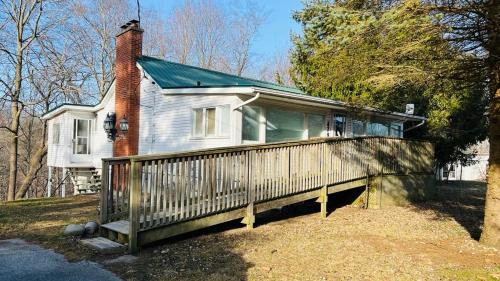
(74, 230)
(91, 227)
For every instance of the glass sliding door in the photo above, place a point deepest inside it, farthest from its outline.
(81, 136)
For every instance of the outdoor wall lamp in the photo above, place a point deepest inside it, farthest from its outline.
(109, 126)
(124, 124)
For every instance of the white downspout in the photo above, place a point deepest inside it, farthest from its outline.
(247, 102)
(416, 126)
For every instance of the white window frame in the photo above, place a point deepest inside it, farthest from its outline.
(89, 136)
(56, 138)
(218, 122)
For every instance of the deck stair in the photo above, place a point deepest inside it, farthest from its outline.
(85, 180)
(116, 231)
(103, 245)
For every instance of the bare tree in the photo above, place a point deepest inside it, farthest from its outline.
(277, 70)
(244, 25)
(91, 32)
(23, 21)
(181, 30)
(221, 39)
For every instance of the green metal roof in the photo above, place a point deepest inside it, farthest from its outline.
(171, 75)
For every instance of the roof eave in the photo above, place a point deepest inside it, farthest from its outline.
(67, 107)
(312, 99)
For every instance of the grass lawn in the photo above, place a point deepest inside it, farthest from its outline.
(428, 241)
(43, 220)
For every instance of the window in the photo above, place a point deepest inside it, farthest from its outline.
(284, 125)
(315, 125)
(56, 131)
(396, 130)
(358, 128)
(81, 136)
(211, 121)
(377, 129)
(251, 123)
(198, 122)
(339, 125)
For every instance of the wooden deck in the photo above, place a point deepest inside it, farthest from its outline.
(152, 197)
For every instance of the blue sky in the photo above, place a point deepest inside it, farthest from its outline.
(274, 35)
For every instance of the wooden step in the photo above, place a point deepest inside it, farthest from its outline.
(117, 226)
(103, 245)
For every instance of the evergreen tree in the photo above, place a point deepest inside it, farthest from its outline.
(387, 54)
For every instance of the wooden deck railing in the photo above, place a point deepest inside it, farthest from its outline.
(157, 190)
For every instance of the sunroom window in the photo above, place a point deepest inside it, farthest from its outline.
(251, 123)
(284, 125)
(315, 125)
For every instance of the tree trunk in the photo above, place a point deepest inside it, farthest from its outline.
(14, 127)
(491, 230)
(36, 164)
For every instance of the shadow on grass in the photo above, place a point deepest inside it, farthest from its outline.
(207, 254)
(462, 201)
(213, 253)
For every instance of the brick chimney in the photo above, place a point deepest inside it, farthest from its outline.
(127, 92)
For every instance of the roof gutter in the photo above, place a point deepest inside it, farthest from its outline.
(416, 126)
(247, 101)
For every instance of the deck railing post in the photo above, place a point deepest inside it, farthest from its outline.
(249, 218)
(103, 204)
(134, 205)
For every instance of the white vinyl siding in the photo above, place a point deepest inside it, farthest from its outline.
(166, 121)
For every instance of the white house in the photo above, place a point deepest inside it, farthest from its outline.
(475, 170)
(161, 106)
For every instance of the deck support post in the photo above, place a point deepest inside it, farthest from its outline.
(249, 218)
(135, 203)
(49, 182)
(63, 185)
(103, 207)
(323, 200)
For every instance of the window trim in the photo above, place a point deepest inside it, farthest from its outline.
(88, 137)
(204, 123)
